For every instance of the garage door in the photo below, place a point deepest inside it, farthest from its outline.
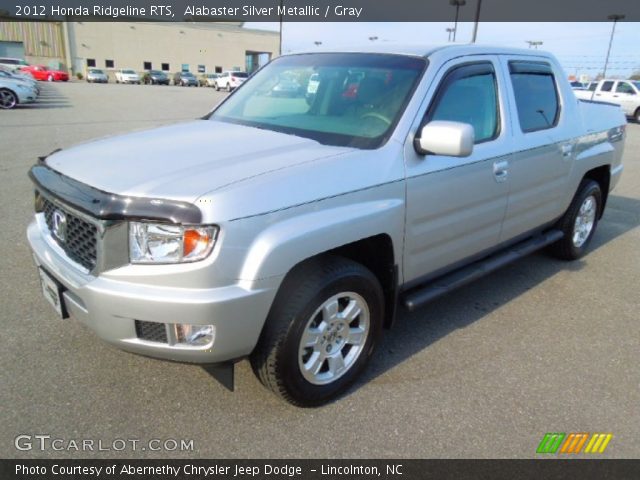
(12, 49)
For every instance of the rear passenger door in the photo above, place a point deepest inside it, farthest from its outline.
(455, 206)
(626, 96)
(543, 128)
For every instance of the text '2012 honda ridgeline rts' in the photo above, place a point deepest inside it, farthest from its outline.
(286, 228)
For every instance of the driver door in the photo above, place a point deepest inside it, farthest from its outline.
(456, 205)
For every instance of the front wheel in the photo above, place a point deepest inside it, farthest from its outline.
(579, 222)
(320, 332)
(636, 115)
(8, 99)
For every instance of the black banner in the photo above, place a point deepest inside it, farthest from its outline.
(320, 469)
(320, 10)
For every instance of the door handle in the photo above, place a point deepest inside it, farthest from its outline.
(501, 171)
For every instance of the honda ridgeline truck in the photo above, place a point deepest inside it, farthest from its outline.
(287, 230)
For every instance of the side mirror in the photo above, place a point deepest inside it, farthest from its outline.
(441, 137)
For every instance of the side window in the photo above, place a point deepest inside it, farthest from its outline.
(606, 87)
(624, 87)
(592, 86)
(536, 95)
(469, 94)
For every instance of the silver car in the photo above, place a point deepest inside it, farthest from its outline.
(95, 75)
(287, 229)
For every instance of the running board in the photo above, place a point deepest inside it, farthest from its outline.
(418, 296)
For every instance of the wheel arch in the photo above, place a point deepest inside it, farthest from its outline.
(601, 175)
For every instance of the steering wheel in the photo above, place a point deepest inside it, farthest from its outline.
(377, 116)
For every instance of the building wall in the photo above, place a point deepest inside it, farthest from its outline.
(130, 44)
(43, 41)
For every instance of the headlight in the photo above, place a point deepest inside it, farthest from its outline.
(167, 243)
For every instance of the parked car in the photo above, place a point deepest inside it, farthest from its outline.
(625, 93)
(289, 233)
(185, 79)
(126, 75)
(155, 77)
(14, 92)
(40, 72)
(230, 80)
(207, 79)
(95, 75)
(12, 63)
(22, 77)
(577, 85)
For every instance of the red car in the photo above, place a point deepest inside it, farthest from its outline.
(40, 72)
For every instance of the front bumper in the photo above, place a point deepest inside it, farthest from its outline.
(110, 307)
(26, 96)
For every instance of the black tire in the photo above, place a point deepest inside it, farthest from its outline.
(8, 99)
(275, 360)
(566, 248)
(636, 115)
(217, 87)
(228, 87)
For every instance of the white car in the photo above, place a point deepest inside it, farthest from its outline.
(126, 75)
(230, 80)
(625, 93)
(14, 92)
(12, 64)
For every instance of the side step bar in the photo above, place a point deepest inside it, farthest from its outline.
(418, 296)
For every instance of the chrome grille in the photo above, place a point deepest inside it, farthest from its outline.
(80, 242)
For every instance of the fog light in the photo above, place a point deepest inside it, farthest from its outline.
(195, 335)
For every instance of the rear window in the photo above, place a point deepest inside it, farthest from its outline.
(536, 95)
(239, 75)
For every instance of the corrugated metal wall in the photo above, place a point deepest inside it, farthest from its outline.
(41, 39)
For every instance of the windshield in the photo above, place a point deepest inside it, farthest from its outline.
(129, 72)
(187, 74)
(355, 99)
(156, 72)
(95, 71)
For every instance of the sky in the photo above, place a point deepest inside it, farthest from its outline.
(580, 47)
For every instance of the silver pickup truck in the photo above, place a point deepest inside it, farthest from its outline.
(287, 228)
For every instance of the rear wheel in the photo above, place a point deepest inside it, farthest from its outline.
(228, 87)
(579, 222)
(321, 331)
(50, 78)
(636, 115)
(8, 99)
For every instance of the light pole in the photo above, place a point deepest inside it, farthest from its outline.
(534, 43)
(280, 44)
(476, 21)
(450, 31)
(615, 18)
(457, 4)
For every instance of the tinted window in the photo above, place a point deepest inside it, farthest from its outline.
(624, 87)
(337, 115)
(606, 86)
(536, 96)
(592, 86)
(239, 74)
(468, 94)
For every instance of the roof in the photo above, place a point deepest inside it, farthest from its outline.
(426, 50)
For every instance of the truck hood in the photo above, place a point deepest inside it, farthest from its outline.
(184, 161)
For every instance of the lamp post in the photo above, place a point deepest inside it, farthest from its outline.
(280, 44)
(615, 18)
(534, 43)
(450, 31)
(457, 4)
(476, 21)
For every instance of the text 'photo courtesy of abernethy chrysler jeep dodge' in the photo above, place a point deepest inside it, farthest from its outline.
(287, 229)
